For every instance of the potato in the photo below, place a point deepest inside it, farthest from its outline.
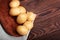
(22, 30)
(14, 3)
(28, 25)
(22, 9)
(14, 11)
(21, 18)
(31, 16)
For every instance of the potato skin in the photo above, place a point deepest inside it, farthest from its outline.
(31, 16)
(21, 18)
(22, 9)
(14, 3)
(14, 11)
(22, 30)
(28, 25)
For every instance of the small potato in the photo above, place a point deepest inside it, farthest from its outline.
(22, 30)
(31, 16)
(22, 9)
(21, 18)
(14, 3)
(14, 11)
(28, 25)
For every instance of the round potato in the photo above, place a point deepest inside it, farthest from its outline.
(14, 11)
(14, 3)
(28, 25)
(21, 18)
(31, 16)
(22, 30)
(22, 9)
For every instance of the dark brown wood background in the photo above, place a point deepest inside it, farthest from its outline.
(47, 23)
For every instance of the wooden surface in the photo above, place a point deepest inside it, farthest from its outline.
(46, 25)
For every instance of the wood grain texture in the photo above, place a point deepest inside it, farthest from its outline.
(48, 21)
(46, 25)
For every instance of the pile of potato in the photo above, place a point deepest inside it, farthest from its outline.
(23, 17)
